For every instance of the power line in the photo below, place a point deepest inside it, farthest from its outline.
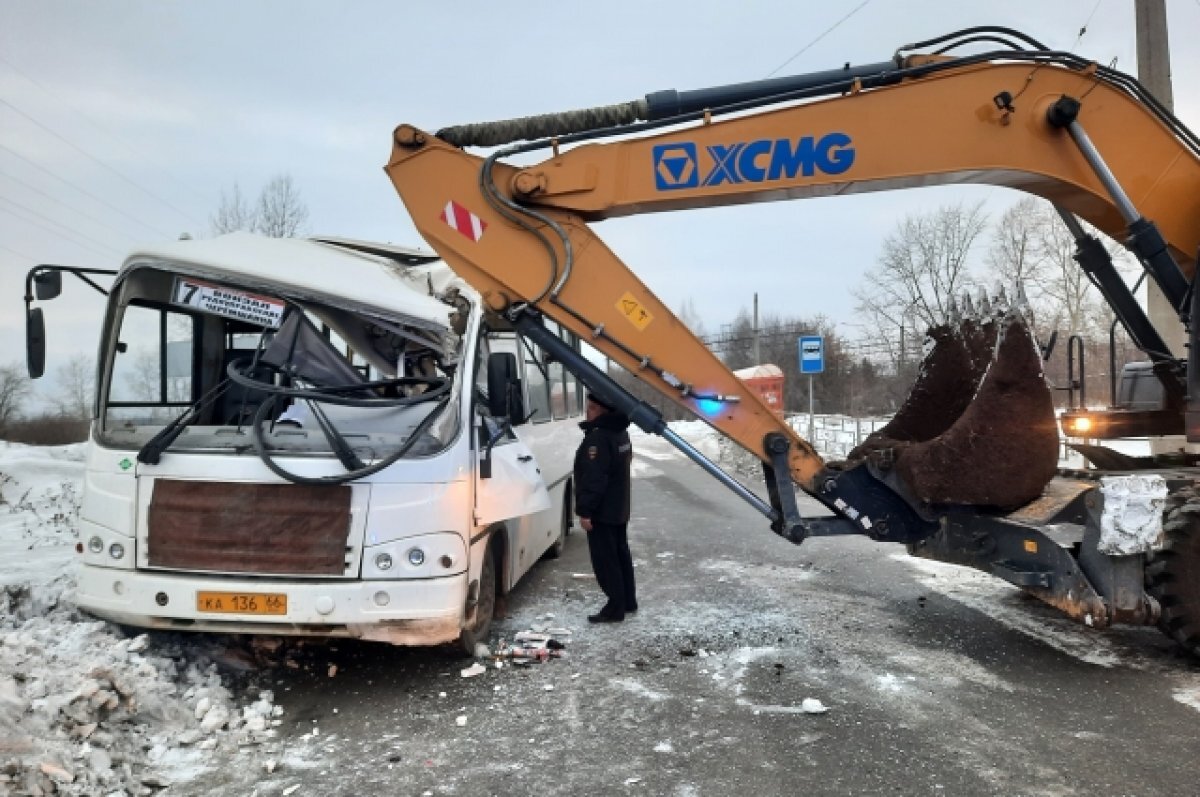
(63, 229)
(85, 192)
(1086, 22)
(833, 27)
(89, 155)
(21, 255)
(83, 213)
(98, 126)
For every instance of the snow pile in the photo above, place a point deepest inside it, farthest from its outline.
(1132, 520)
(698, 433)
(648, 448)
(84, 709)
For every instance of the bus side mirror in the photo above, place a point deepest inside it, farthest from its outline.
(35, 342)
(505, 397)
(47, 284)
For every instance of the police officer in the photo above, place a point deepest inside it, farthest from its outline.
(602, 466)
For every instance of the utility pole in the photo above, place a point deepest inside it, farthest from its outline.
(1154, 72)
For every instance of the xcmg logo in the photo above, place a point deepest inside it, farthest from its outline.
(677, 166)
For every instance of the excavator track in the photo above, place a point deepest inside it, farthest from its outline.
(1173, 574)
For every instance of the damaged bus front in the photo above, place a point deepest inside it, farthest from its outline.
(313, 437)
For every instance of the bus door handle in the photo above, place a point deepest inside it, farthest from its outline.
(525, 458)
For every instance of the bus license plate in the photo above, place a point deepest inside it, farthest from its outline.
(241, 602)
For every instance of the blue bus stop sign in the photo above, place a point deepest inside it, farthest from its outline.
(812, 354)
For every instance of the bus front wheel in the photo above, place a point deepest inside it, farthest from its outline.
(485, 607)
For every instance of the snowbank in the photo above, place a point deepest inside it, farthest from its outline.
(85, 709)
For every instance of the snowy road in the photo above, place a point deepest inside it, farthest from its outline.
(938, 681)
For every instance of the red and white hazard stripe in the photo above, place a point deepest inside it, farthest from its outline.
(463, 220)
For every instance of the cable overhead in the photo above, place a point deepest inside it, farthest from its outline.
(92, 157)
(21, 255)
(129, 147)
(83, 213)
(63, 229)
(86, 193)
(1086, 22)
(829, 30)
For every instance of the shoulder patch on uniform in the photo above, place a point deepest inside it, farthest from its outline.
(592, 452)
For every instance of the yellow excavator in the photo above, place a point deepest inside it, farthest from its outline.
(967, 470)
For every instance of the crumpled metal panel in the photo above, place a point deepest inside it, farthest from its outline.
(270, 529)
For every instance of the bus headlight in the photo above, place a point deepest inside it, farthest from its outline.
(96, 545)
(116, 550)
(431, 555)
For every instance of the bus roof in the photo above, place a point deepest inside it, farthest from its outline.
(310, 267)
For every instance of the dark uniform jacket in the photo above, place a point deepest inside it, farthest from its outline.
(602, 466)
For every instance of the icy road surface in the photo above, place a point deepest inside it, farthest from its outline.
(937, 680)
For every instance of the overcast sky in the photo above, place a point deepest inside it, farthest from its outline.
(121, 122)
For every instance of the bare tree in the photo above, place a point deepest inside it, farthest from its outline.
(1032, 247)
(234, 214)
(840, 388)
(15, 388)
(923, 268)
(76, 382)
(281, 213)
(1014, 255)
(691, 318)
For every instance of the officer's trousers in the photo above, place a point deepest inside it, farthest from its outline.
(612, 562)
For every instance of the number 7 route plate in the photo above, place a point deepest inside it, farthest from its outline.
(241, 602)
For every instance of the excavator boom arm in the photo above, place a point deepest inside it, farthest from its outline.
(521, 235)
(599, 298)
(947, 127)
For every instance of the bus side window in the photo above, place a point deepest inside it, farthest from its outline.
(572, 390)
(536, 389)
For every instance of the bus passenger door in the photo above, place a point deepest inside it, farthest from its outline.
(514, 487)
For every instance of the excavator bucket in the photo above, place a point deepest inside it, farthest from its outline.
(978, 426)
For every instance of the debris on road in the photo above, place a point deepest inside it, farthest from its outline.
(810, 705)
(473, 670)
(519, 655)
(531, 645)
